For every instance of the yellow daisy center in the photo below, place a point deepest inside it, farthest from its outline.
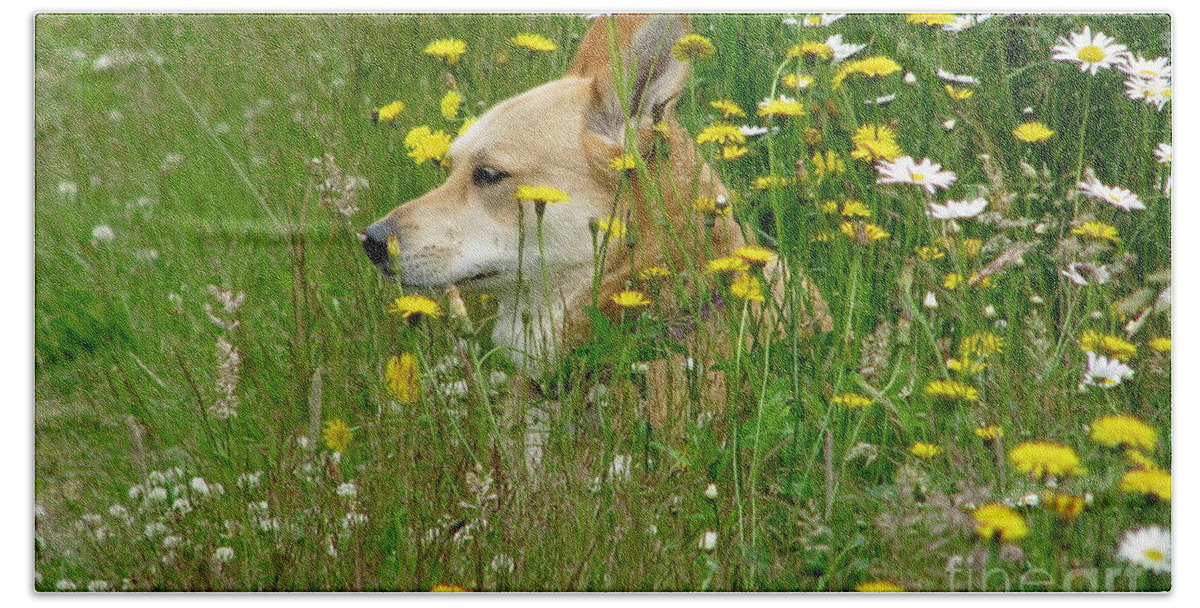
(918, 177)
(1154, 555)
(1091, 53)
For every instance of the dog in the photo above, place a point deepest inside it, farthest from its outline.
(565, 134)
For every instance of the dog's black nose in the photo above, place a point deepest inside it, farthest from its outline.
(374, 241)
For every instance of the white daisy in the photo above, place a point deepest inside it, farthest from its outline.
(953, 210)
(814, 20)
(1148, 547)
(842, 50)
(880, 101)
(1105, 372)
(905, 170)
(1084, 274)
(1093, 53)
(963, 22)
(949, 124)
(1156, 91)
(1117, 197)
(957, 78)
(750, 131)
(1146, 69)
(1163, 153)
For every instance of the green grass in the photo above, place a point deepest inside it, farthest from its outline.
(196, 144)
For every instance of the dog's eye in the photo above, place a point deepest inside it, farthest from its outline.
(487, 176)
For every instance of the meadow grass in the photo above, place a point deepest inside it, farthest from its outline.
(175, 153)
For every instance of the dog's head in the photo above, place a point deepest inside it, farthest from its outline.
(563, 134)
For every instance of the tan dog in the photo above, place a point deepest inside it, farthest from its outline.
(565, 134)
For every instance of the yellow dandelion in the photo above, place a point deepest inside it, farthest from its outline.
(1160, 344)
(998, 521)
(747, 287)
(873, 142)
(951, 390)
(966, 365)
(623, 162)
(450, 103)
(827, 164)
(727, 108)
(721, 133)
(1032, 132)
(448, 50)
(1151, 482)
(755, 254)
(1066, 506)
(412, 305)
(425, 144)
(871, 67)
(693, 47)
(851, 401)
(1123, 430)
(959, 93)
(728, 265)
(829, 207)
(924, 451)
(337, 435)
(981, 344)
(780, 106)
(1140, 460)
(852, 208)
(952, 281)
(863, 232)
(1113, 346)
(1041, 458)
(878, 587)
(541, 194)
(630, 299)
(930, 253)
(769, 182)
(990, 432)
(651, 273)
(389, 112)
(811, 48)
(796, 81)
(713, 206)
(402, 380)
(1097, 230)
(533, 42)
(930, 19)
(734, 152)
(613, 227)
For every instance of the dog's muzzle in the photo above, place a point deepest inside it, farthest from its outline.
(374, 241)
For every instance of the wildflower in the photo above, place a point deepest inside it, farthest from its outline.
(797, 81)
(957, 78)
(1148, 547)
(755, 254)
(930, 19)
(966, 365)
(448, 50)
(878, 587)
(1032, 132)
(930, 300)
(871, 67)
(1097, 230)
(1117, 197)
(981, 344)
(448, 588)
(842, 50)
(1157, 92)
(733, 152)
(1123, 430)
(989, 432)
(450, 103)
(223, 555)
(811, 49)
(959, 93)
(1164, 154)
(653, 272)
(613, 227)
(1146, 69)
(827, 164)
(1092, 53)
(925, 451)
(951, 390)
(929, 253)
(1105, 372)
(1065, 506)
(1094, 341)
(1151, 482)
(821, 20)
(998, 521)
(692, 47)
(389, 112)
(952, 280)
(948, 124)
(769, 182)
(630, 299)
(749, 131)
(425, 144)
(747, 287)
(727, 108)
(721, 133)
(708, 542)
(1041, 458)
(881, 101)
(728, 265)
(851, 401)
(1140, 460)
(710, 491)
(926, 173)
(408, 306)
(1160, 344)
(534, 42)
(718, 205)
(781, 106)
(851, 208)
(337, 434)
(873, 142)
(863, 232)
(623, 162)
(402, 381)
(541, 194)
(956, 209)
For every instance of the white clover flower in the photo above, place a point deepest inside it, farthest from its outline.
(910, 79)
(710, 491)
(953, 210)
(708, 542)
(156, 495)
(182, 505)
(930, 300)
(1104, 372)
(949, 124)
(223, 555)
(1148, 547)
(1092, 53)
(905, 170)
(957, 78)
(1121, 198)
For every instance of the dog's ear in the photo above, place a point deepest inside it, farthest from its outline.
(634, 75)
